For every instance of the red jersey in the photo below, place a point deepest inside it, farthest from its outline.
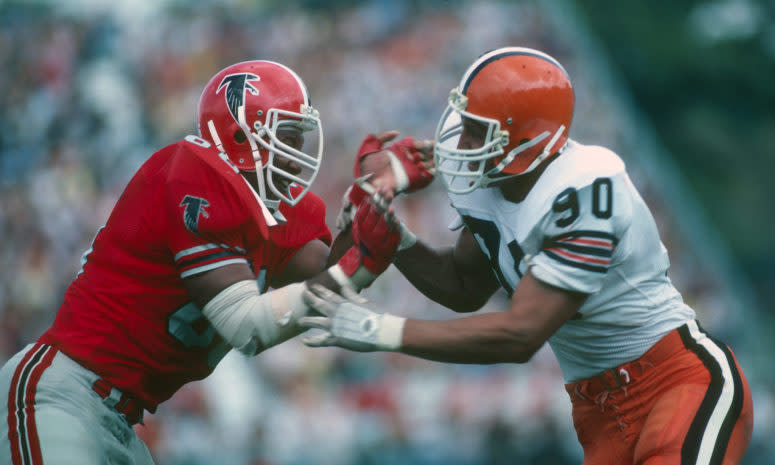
(127, 316)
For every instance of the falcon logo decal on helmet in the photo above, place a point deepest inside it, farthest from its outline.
(195, 206)
(236, 85)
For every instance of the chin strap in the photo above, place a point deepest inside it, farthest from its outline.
(255, 153)
(547, 151)
(273, 205)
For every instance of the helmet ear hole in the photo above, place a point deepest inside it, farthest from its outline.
(239, 136)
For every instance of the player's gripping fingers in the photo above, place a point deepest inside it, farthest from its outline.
(371, 144)
(315, 322)
(382, 199)
(324, 339)
(373, 214)
(386, 136)
(412, 164)
(322, 293)
(321, 299)
(352, 296)
(376, 236)
(355, 194)
(376, 231)
(369, 220)
(424, 161)
(423, 152)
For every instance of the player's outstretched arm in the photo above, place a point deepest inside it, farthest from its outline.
(248, 320)
(375, 235)
(252, 322)
(536, 311)
(459, 277)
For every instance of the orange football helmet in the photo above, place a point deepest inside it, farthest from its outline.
(241, 110)
(524, 101)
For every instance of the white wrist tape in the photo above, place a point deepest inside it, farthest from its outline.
(250, 321)
(356, 327)
(391, 332)
(361, 279)
(402, 179)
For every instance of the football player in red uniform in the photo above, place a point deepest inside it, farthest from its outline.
(178, 275)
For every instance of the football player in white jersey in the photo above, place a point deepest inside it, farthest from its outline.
(560, 226)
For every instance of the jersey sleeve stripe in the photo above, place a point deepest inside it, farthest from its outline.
(581, 258)
(596, 251)
(583, 245)
(217, 256)
(590, 242)
(587, 235)
(202, 248)
(206, 257)
(211, 266)
(578, 263)
(588, 250)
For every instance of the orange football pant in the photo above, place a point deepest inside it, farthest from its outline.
(685, 401)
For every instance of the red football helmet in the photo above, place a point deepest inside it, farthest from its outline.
(241, 110)
(522, 99)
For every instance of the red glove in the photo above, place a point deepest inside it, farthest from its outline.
(406, 165)
(353, 196)
(376, 235)
(405, 160)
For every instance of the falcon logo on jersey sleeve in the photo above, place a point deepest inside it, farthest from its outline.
(588, 250)
(195, 207)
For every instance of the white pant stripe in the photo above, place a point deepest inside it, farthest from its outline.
(724, 403)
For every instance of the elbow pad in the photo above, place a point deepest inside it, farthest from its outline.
(252, 322)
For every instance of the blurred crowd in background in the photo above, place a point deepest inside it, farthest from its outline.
(89, 93)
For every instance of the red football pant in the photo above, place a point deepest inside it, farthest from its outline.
(685, 401)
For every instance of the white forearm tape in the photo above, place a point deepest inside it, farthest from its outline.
(250, 321)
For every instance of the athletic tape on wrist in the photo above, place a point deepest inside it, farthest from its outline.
(402, 179)
(391, 332)
(359, 280)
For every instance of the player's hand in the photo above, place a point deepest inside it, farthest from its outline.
(347, 323)
(405, 166)
(376, 235)
(375, 232)
(353, 196)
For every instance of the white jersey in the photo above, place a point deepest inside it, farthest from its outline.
(585, 228)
